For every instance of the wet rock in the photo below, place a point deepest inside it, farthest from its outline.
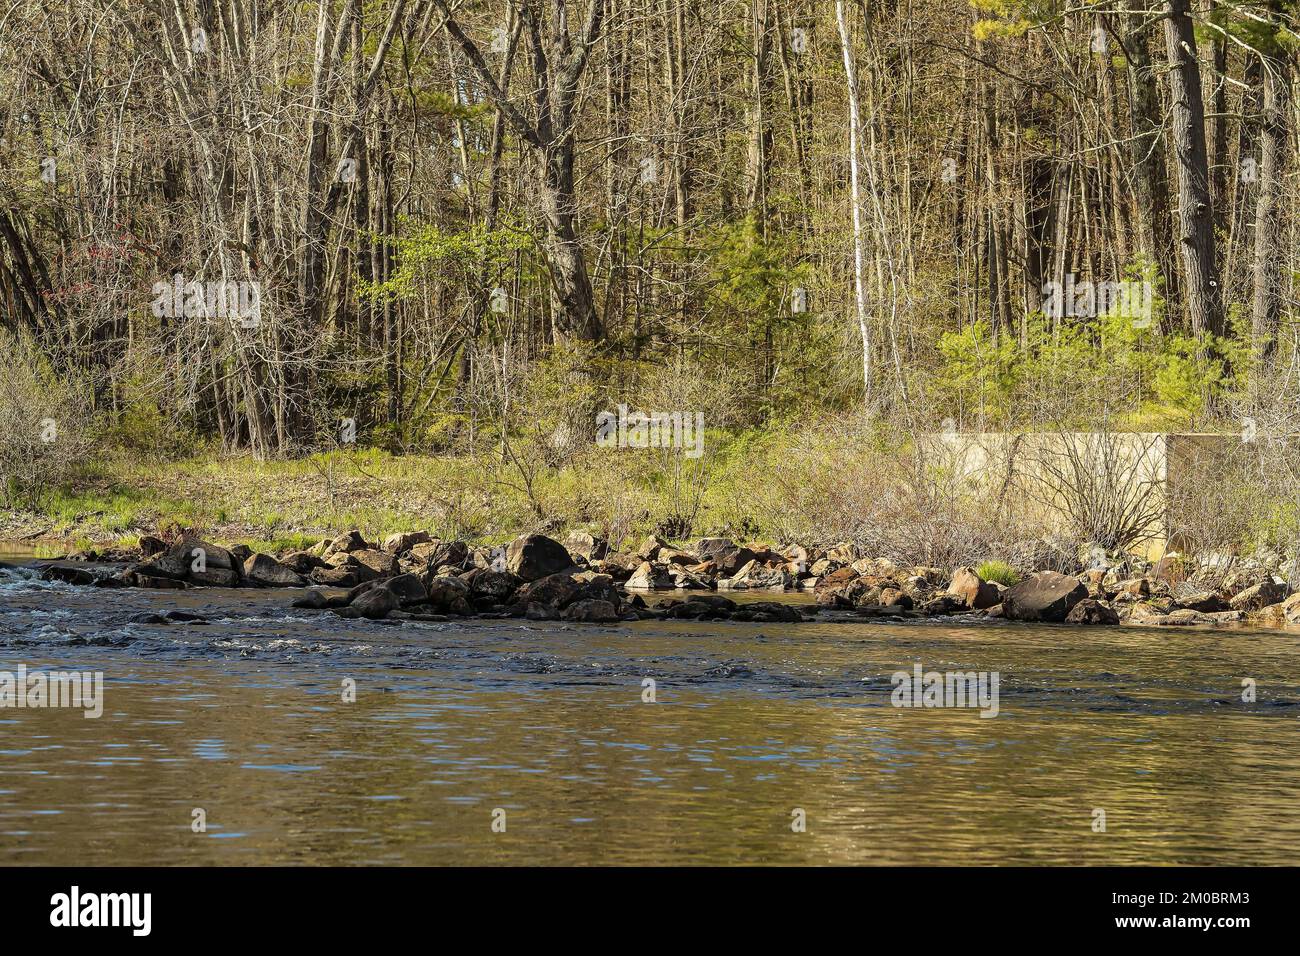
(149, 581)
(972, 590)
(534, 556)
(943, 604)
(150, 545)
(1045, 596)
(215, 578)
(408, 588)
(186, 617)
(335, 577)
(147, 618)
(896, 597)
(313, 600)
(1092, 611)
(263, 571)
(591, 612)
(450, 595)
(698, 606)
(375, 603)
(488, 587)
(763, 612)
(554, 590)
(536, 611)
(78, 576)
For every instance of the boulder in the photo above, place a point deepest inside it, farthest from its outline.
(976, 593)
(1045, 596)
(299, 562)
(587, 545)
(554, 590)
(669, 556)
(541, 612)
(708, 548)
(379, 563)
(763, 612)
(1194, 600)
(756, 576)
(440, 553)
(374, 603)
(1259, 596)
(347, 543)
(534, 556)
(79, 576)
(344, 577)
(408, 588)
(148, 581)
(488, 587)
(943, 604)
(649, 577)
(591, 612)
(215, 578)
(449, 595)
(263, 571)
(149, 545)
(698, 606)
(650, 547)
(402, 542)
(730, 562)
(1092, 611)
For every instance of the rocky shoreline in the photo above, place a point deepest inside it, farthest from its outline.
(414, 576)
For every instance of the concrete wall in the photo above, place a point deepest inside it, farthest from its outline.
(1151, 469)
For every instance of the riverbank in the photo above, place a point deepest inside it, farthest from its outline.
(415, 576)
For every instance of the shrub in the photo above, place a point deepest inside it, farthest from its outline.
(44, 419)
(999, 572)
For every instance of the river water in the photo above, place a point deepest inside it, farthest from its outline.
(541, 728)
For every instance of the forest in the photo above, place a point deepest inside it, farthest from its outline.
(411, 251)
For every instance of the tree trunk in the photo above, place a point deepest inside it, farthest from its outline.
(1195, 207)
(859, 293)
(1267, 306)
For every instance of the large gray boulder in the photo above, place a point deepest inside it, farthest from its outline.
(263, 571)
(533, 556)
(1045, 596)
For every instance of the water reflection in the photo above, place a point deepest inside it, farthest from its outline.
(243, 718)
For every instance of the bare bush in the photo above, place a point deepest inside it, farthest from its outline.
(44, 421)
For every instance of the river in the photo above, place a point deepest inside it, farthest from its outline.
(515, 742)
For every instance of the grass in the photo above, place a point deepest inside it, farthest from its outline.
(999, 572)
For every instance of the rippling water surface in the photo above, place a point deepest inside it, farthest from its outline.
(244, 718)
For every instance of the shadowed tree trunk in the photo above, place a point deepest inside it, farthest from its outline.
(1195, 208)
